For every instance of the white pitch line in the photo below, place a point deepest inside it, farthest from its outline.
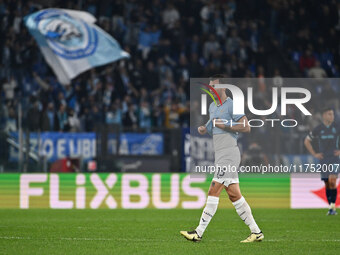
(146, 240)
(15, 237)
(285, 240)
(81, 239)
(62, 238)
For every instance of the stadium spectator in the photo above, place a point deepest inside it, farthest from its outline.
(317, 71)
(61, 117)
(168, 43)
(210, 47)
(277, 80)
(170, 16)
(307, 61)
(48, 118)
(233, 43)
(144, 115)
(11, 121)
(114, 114)
(73, 123)
(33, 116)
(130, 117)
(8, 87)
(254, 156)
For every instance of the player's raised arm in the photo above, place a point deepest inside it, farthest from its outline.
(241, 126)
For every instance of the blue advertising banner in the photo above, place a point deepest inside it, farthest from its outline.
(197, 151)
(186, 149)
(141, 144)
(55, 145)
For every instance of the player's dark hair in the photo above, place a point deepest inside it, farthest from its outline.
(326, 109)
(217, 77)
(221, 78)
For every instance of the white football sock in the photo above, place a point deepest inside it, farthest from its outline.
(208, 213)
(332, 206)
(244, 211)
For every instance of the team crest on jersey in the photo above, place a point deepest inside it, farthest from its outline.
(68, 37)
(334, 130)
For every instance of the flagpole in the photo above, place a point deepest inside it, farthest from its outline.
(20, 137)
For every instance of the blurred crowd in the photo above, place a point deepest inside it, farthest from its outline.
(169, 42)
(309, 32)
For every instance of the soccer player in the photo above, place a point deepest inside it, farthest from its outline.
(327, 134)
(227, 156)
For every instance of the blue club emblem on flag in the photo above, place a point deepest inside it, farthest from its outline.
(71, 43)
(67, 37)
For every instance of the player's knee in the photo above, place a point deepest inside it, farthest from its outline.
(234, 196)
(332, 183)
(327, 184)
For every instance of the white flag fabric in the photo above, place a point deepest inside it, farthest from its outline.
(71, 43)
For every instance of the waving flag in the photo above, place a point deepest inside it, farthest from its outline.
(71, 43)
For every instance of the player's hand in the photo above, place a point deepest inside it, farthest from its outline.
(318, 155)
(202, 130)
(337, 153)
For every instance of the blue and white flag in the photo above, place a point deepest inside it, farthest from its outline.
(71, 43)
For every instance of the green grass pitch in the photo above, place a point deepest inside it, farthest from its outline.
(150, 231)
